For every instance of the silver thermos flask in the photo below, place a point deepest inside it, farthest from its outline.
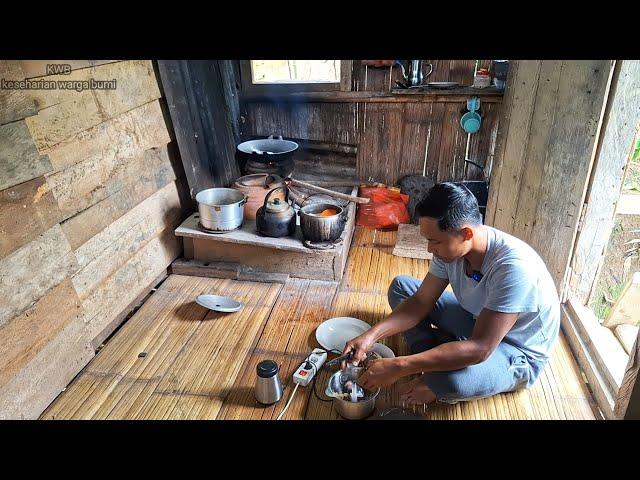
(268, 386)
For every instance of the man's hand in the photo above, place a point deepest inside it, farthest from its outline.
(360, 346)
(381, 372)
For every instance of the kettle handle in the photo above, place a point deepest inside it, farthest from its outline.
(430, 70)
(268, 195)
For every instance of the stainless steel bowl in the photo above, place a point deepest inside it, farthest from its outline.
(221, 209)
(346, 408)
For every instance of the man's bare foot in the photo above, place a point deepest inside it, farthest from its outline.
(416, 392)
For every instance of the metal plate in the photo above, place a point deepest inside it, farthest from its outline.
(443, 84)
(218, 303)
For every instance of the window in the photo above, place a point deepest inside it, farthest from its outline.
(291, 76)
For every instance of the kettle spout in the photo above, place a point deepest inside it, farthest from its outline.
(404, 73)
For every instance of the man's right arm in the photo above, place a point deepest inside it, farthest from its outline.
(406, 316)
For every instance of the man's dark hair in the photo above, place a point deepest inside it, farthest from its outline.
(452, 205)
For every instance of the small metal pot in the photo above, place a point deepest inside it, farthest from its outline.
(221, 209)
(316, 228)
(346, 408)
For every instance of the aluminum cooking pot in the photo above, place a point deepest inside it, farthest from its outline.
(318, 228)
(221, 209)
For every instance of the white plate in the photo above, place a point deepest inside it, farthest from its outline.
(382, 350)
(218, 303)
(334, 333)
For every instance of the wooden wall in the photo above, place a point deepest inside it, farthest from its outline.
(553, 111)
(203, 103)
(395, 136)
(91, 188)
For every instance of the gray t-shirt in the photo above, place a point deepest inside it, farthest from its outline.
(515, 280)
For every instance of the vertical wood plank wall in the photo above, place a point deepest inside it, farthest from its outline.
(91, 188)
(393, 139)
(545, 148)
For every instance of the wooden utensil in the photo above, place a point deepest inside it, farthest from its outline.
(342, 196)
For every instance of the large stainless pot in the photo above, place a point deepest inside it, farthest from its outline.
(221, 209)
(317, 228)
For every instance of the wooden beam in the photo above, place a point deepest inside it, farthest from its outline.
(626, 309)
(628, 401)
(454, 95)
(598, 385)
(202, 123)
(234, 270)
(615, 147)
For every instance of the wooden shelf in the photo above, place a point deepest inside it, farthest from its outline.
(489, 94)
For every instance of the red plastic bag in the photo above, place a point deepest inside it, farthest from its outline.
(386, 209)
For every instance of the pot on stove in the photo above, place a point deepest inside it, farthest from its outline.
(322, 222)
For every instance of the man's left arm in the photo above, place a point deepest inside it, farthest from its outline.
(489, 330)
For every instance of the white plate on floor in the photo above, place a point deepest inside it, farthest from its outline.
(382, 350)
(334, 333)
(218, 303)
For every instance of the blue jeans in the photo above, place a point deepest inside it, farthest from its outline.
(506, 369)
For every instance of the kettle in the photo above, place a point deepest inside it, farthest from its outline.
(276, 218)
(415, 76)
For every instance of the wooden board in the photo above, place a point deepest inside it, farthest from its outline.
(65, 112)
(195, 91)
(25, 335)
(107, 251)
(616, 146)
(15, 104)
(124, 136)
(245, 235)
(628, 402)
(582, 94)
(19, 158)
(410, 243)
(627, 334)
(87, 183)
(105, 302)
(625, 310)
(236, 271)
(84, 225)
(34, 387)
(26, 211)
(530, 196)
(33, 269)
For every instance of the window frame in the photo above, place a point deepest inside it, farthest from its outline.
(249, 87)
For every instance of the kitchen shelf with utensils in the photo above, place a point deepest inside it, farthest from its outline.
(287, 255)
(422, 94)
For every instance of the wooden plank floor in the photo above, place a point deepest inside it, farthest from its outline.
(176, 360)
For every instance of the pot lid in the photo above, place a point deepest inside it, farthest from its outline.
(277, 205)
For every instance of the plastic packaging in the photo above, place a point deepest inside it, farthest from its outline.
(386, 210)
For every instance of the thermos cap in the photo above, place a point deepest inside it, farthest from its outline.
(267, 368)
